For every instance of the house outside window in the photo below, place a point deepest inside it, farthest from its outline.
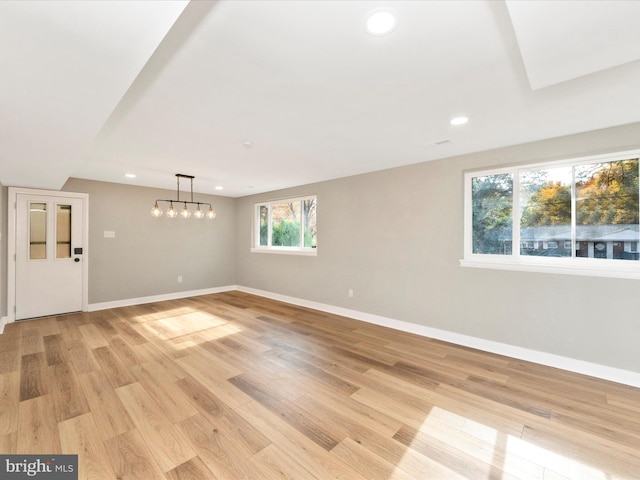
(286, 226)
(574, 216)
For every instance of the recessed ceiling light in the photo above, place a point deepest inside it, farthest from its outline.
(219, 187)
(130, 175)
(459, 120)
(381, 22)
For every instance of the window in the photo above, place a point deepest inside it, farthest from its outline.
(286, 226)
(579, 216)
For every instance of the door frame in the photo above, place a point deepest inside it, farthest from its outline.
(11, 243)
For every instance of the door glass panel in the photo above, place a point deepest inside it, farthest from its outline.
(37, 231)
(63, 231)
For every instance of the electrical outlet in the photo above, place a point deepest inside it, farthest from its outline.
(180, 279)
(350, 293)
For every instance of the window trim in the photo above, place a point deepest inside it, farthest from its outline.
(573, 265)
(255, 230)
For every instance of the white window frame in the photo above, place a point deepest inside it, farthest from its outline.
(561, 265)
(255, 231)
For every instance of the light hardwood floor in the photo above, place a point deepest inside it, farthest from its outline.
(234, 386)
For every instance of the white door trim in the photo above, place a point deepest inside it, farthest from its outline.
(11, 244)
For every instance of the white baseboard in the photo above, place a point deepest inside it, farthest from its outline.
(158, 298)
(617, 375)
(3, 322)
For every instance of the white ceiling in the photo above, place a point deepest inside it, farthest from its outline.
(98, 89)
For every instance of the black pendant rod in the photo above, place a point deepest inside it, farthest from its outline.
(178, 177)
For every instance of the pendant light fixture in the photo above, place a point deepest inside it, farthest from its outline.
(172, 212)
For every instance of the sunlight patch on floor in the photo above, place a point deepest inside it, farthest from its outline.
(186, 327)
(498, 450)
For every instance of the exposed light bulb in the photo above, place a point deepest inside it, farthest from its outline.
(156, 211)
(198, 213)
(185, 212)
(211, 214)
(172, 213)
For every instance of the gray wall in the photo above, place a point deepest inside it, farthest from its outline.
(4, 191)
(395, 238)
(148, 254)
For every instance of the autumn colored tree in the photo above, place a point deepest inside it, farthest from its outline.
(549, 205)
(607, 194)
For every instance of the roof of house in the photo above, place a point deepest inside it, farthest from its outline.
(611, 233)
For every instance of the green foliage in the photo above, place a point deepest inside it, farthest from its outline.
(492, 204)
(286, 234)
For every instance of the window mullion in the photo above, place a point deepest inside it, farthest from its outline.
(269, 226)
(301, 223)
(516, 213)
(574, 212)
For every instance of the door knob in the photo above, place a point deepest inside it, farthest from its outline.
(76, 259)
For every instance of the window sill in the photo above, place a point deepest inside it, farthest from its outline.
(567, 266)
(287, 251)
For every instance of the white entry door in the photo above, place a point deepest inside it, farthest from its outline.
(49, 255)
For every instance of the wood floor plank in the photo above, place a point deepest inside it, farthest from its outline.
(54, 349)
(125, 353)
(9, 360)
(81, 356)
(308, 453)
(367, 462)
(109, 414)
(131, 459)
(449, 455)
(116, 372)
(9, 443)
(172, 400)
(168, 446)
(32, 341)
(79, 435)
(234, 386)
(301, 420)
(273, 463)
(9, 398)
(93, 336)
(166, 366)
(207, 364)
(410, 461)
(37, 427)
(214, 448)
(193, 469)
(68, 397)
(32, 372)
